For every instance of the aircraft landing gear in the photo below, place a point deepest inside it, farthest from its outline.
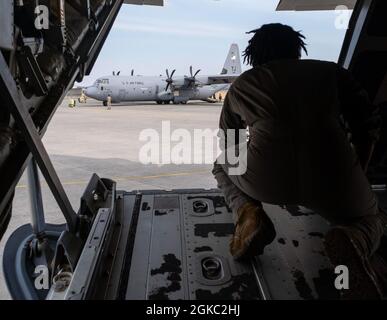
(167, 102)
(159, 102)
(105, 103)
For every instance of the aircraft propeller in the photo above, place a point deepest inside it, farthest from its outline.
(192, 79)
(169, 79)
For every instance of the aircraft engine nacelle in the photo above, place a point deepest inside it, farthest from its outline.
(204, 92)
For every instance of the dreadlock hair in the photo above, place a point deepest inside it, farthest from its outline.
(274, 41)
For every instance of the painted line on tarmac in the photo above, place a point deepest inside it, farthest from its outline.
(134, 178)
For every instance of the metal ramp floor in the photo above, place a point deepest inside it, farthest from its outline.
(178, 249)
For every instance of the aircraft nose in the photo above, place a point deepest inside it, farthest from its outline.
(91, 92)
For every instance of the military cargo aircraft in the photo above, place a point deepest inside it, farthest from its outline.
(167, 89)
(148, 244)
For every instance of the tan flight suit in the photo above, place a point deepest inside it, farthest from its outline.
(298, 151)
(109, 102)
(72, 103)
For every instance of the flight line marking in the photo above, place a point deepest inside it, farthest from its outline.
(117, 179)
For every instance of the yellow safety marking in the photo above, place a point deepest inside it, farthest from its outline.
(117, 179)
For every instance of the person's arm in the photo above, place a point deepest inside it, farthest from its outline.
(361, 116)
(229, 119)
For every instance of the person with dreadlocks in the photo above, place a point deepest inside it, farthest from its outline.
(298, 113)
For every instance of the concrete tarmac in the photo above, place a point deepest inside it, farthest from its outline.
(91, 139)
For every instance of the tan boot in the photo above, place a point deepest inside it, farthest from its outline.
(253, 232)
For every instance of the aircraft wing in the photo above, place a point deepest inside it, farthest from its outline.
(207, 80)
(224, 78)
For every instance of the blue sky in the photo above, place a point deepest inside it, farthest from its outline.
(199, 33)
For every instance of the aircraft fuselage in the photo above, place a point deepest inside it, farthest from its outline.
(147, 88)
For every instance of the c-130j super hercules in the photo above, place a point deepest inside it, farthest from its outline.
(169, 88)
(116, 246)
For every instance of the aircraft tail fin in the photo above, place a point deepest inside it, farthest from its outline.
(233, 64)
